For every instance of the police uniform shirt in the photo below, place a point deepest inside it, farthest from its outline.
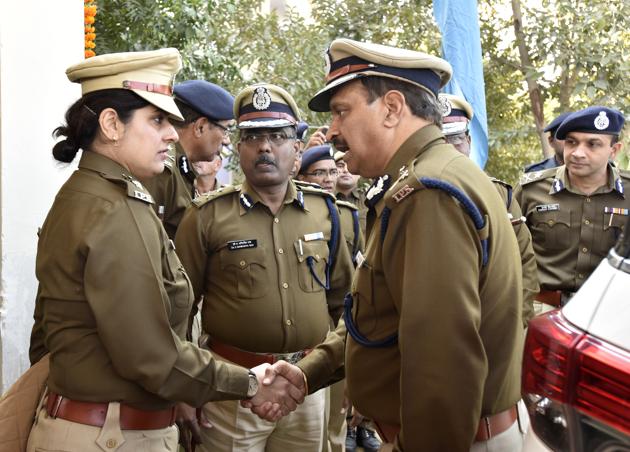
(550, 162)
(458, 354)
(524, 238)
(114, 300)
(357, 198)
(571, 232)
(254, 268)
(353, 234)
(172, 190)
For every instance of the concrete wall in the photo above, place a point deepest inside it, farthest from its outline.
(39, 39)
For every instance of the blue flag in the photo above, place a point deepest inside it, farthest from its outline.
(461, 47)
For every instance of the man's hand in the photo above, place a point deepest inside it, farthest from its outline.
(189, 420)
(281, 388)
(317, 139)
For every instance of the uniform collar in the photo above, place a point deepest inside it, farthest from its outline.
(104, 165)
(249, 197)
(183, 164)
(614, 183)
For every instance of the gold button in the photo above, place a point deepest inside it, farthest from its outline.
(285, 285)
(275, 220)
(317, 256)
(281, 251)
(550, 222)
(587, 222)
(288, 322)
(111, 443)
(581, 276)
(584, 250)
(242, 263)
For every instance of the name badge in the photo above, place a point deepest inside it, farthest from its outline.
(547, 207)
(313, 236)
(241, 244)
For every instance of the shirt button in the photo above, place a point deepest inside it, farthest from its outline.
(588, 199)
(281, 251)
(585, 249)
(276, 220)
(242, 263)
(111, 443)
(580, 276)
(550, 222)
(285, 285)
(288, 322)
(317, 256)
(587, 222)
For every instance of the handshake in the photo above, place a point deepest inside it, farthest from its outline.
(281, 388)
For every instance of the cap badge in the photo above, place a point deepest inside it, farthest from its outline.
(261, 98)
(445, 105)
(327, 61)
(601, 121)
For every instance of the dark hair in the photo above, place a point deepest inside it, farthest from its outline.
(82, 119)
(189, 114)
(614, 139)
(421, 103)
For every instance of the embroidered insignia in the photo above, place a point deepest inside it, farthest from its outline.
(137, 184)
(377, 187)
(143, 196)
(242, 244)
(445, 105)
(183, 165)
(547, 207)
(616, 210)
(403, 173)
(601, 121)
(557, 185)
(619, 186)
(403, 193)
(313, 236)
(300, 199)
(261, 98)
(360, 259)
(246, 201)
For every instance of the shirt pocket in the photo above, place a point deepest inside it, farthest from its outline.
(247, 271)
(553, 229)
(176, 281)
(312, 264)
(612, 229)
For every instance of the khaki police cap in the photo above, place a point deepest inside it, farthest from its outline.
(148, 74)
(457, 114)
(264, 105)
(347, 60)
(339, 155)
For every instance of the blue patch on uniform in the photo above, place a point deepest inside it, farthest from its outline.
(246, 201)
(619, 185)
(300, 199)
(377, 190)
(557, 185)
(183, 164)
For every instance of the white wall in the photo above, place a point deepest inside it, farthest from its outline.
(39, 39)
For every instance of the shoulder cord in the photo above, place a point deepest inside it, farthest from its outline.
(332, 245)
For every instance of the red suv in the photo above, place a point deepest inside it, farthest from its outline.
(576, 366)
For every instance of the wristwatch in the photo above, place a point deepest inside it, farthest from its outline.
(252, 389)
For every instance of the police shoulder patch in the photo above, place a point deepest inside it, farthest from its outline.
(536, 176)
(211, 196)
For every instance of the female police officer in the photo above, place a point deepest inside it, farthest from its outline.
(113, 299)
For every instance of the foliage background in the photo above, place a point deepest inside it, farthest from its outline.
(579, 52)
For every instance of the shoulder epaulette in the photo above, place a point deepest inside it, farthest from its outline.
(307, 187)
(347, 204)
(211, 196)
(494, 180)
(536, 176)
(134, 188)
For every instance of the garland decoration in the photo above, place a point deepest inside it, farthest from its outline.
(89, 13)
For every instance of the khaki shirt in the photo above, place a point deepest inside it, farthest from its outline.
(114, 300)
(459, 349)
(571, 232)
(357, 198)
(251, 267)
(355, 241)
(173, 190)
(528, 258)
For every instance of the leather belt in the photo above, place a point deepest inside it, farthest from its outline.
(91, 413)
(495, 424)
(556, 298)
(489, 426)
(251, 359)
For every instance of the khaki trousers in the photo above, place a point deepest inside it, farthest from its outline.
(59, 435)
(336, 425)
(237, 429)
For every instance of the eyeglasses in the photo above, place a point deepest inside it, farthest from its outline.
(275, 138)
(227, 131)
(323, 173)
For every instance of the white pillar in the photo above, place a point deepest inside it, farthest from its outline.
(39, 39)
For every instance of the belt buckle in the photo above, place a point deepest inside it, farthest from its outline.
(291, 358)
(56, 406)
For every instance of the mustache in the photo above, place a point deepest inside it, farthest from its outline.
(340, 144)
(265, 160)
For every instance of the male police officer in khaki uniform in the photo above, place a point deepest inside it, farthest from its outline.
(268, 258)
(347, 189)
(457, 116)
(434, 347)
(576, 212)
(207, 112)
